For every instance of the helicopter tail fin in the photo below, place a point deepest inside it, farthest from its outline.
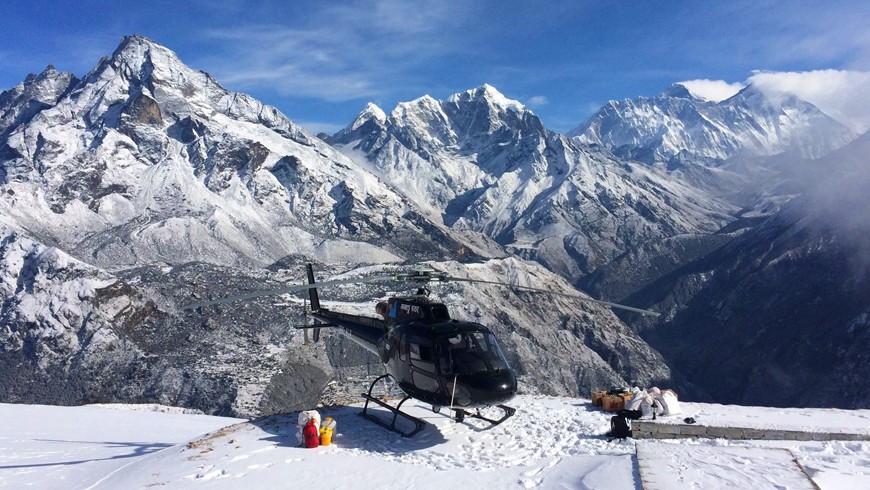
(315, 300)
(312, 293)
(316, 336)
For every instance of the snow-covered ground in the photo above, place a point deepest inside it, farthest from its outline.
(797, 419)
(551, 442)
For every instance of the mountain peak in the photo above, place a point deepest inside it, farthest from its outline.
(370, 112)
(136, 40)
(678, 90)
(491, 95)
(373, 111)
(425, 103)
(139, 55)
(681, 119)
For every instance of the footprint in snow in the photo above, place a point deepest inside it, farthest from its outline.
(530, 483)
(213, 474)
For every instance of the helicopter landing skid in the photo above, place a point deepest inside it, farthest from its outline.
(508, 413)
(396, 411)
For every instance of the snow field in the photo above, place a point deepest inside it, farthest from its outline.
(552, 442)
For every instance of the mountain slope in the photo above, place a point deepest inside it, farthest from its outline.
(74, 334)
(779, 314)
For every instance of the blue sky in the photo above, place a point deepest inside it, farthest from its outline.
(319, 62)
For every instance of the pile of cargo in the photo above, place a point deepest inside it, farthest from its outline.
(612, 400)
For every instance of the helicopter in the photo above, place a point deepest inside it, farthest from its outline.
(433, 358)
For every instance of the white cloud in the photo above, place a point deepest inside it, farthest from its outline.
(339, 52)
(841, 94)
(537, 101)
(712, 90)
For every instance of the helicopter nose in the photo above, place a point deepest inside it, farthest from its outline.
(489, 388)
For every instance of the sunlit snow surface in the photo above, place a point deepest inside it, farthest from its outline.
(551, 443)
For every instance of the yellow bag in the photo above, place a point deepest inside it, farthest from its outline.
(326, 430)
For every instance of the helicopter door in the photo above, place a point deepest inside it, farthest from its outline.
(422, 355)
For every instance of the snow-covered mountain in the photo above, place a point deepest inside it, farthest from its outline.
(671, 236)
(145, 185)
(479, 161)
(749, 123)
(147, 160)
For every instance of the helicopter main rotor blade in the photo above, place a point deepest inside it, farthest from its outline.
(286, 289)
(556, 293)
(415, 276)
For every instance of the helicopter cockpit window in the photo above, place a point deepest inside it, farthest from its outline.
(469, 352)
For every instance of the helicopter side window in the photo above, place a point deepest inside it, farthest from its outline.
(440, 313)
(403, 348)
(421, 353)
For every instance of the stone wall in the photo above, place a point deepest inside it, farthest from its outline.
(653, 430)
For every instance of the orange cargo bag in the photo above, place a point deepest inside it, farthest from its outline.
(613, 403)
(597, 395)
